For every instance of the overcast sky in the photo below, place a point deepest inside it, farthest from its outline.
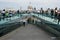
(24, 3)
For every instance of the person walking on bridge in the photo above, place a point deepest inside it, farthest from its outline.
(7, 15)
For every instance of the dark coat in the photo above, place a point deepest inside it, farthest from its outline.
(59, 17)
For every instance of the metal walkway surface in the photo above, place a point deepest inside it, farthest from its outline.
(28, 32)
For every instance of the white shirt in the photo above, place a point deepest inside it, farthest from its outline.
(3, 11)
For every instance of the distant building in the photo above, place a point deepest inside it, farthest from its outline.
(30, 8)
(34, 10)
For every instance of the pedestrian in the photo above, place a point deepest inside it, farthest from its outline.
(55, 14)
(52, 13)
(58, 15)
(7, 15)
(46, 12)
(0, 15)
(42, 11)
(24, 24)
(28, 20)
(3, 14)
(49, 12)
(10, 14)
(18, 12)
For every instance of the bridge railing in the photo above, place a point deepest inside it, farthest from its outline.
(46, 27)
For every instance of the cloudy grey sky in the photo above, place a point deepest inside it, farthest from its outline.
(24, 3)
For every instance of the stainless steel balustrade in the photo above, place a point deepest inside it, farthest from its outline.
(46, 27)
(45, 20)
(10, 24)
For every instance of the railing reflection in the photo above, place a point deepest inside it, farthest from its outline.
(47, 18)
(50, 21)
(46, 27)
(13, 17)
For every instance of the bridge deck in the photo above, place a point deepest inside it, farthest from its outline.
(29, 32)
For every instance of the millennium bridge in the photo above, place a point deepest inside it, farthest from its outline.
(29, 26)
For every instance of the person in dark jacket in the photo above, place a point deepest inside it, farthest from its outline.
(58, 16)
(18, 12)
(3, 13)
(24, 23)
(52, 12)
(42, 11)
(0, 16)
(55, 13)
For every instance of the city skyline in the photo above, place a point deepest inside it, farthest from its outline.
(16, 4)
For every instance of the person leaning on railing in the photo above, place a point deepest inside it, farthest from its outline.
(49, 12)
(3, 14)
(10, 14)
(55, 14)
(18, 12)
(52, 13)
(46, 12)
(6, 14)
(58, 15)
(0, 16)
(42, 11)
